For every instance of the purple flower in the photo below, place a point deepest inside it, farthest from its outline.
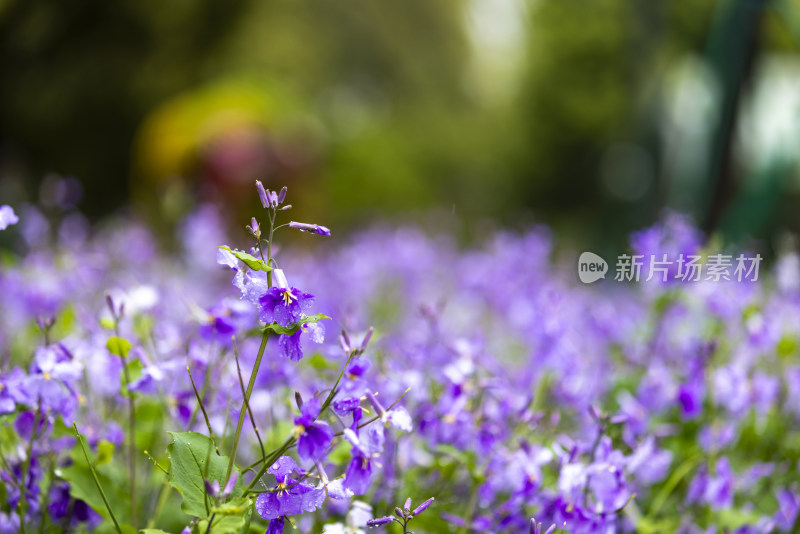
(648, 463)
(397, 417)
(226, 257)
(346, 405)
(8, 217)
(284, 305)
(220, 321)
(714, 489)
(788, 508)
(690, 396)
(311, 228)
(50, 382)
(9, 389)
(9, 523)
(27, 424)
(276, 526)
(313, 437)
(327, 488)
(290, 345)
(536, 528)
(59, 501)
(287, 497)
(359, 472)
(673, 235)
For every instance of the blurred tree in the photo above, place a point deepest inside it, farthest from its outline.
(593, 76)
(366, 109)
(380, 81)
(78, 77)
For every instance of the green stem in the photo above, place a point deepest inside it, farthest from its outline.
(202, 408)
(473, 502)
(291, 441)
(206, 383)
(271, 459)
(245, 402)
(677, 475)
(337, 434)
(155, 463)
(211, 520)
(23, 501)
(45, 496)
(264, 338)
(132, 438)
(333, 392)
(96, 480)
(163, 496)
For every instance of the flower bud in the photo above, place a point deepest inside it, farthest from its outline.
(282, 195)
(367, 337)
(280, 279)
(311, 228)
(380, 521)
(422, 507)
(597, 413)
(375, 404)
(254, 228)
(344, 342)
(262, 194)
(212, 489)
(231, 484)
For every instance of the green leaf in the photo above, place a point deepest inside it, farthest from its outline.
(233, 507)
(319, 362)
(143, 325)
(249, 260)
(732, 519)
(119, 346)
(112, 480)
(192, 460)
(105, 451)
(294, 327)
(465, 458)
(134, 368)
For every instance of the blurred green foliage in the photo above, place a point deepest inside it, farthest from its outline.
(366, 110)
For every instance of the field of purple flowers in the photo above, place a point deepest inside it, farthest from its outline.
(390, 380)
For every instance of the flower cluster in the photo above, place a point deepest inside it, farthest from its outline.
(491, 382)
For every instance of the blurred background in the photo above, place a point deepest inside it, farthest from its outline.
(592, 116)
